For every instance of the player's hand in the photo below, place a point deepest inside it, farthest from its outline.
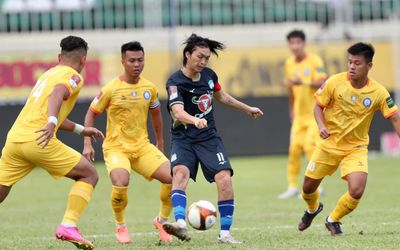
(324, 133)
(160, 146)
(200, 123)
(47, 133)
(92, 133)
(254, 112)
(88, 152)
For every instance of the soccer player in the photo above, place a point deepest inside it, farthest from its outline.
(344, 111)
(304, 74)
(128, 100)
(31, 141)
(194, 136)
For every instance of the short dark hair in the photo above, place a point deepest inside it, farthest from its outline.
(197, 41)
(73, 43)
(296, 34)
(364, 49)
(131, 46)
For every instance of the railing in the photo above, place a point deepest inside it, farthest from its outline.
(49, 15)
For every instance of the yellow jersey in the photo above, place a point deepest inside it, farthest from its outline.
(33, 115)
(127, 108)
(348, 111)
(310, 69)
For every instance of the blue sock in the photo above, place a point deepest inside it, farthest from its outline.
(178, 198)
(226, 209)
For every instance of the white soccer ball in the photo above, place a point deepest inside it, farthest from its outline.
(202, 215)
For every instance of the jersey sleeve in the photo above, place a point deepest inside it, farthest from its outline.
(101, 101)
(324, 94)
(217, 86)
(71, 82)
(387, 105)
(174, 94)
(319, 70)
(154, 101)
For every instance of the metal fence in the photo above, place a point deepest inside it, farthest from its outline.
(49, 15)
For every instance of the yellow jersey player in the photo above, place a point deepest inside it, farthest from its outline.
(304, 74)
(128, 100)
(31, 141)
(345, 107)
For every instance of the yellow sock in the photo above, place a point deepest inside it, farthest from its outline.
(78, 199)
(166, 203)
(345, 205)
(293, 169)
(119, 201)
(311, 200)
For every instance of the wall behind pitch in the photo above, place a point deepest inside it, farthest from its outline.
(241, 134)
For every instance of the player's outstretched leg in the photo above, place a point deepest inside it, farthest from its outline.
(165, 211)
(226, 206)
(308, 217)
(81, 192)
(178, 228)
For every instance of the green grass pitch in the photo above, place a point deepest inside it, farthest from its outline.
(36, 205)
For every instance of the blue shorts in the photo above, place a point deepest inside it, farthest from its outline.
(210, 154)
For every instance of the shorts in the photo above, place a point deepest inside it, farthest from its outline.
(210, 154)
(145, 163)
(323, 163)
(20, 158)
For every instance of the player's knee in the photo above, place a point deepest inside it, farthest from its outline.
(180, 173)
(120, 182)
(310, 185)
(356, 192)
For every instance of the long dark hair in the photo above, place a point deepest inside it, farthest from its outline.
(197, 41)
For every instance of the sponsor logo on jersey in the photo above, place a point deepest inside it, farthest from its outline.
(203, 102)
(74, 81)
(390, 102)
(367, 102)
(146, 95)
(211, 84)
(173, 92)
(97, 98)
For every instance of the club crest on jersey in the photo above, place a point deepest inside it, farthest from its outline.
(74, 81)
(146, 95)
(367, 102)
(211, 84)
(203, 102)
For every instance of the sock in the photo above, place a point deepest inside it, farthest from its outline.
(78, 199)
(345, 205)
(178, 198)
(293, 169)
(311, 200)
(119, 201)
(226, 209)
(166, 203)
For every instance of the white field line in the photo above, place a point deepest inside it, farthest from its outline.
(234, 229)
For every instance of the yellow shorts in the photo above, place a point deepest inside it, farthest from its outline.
(146, 164)
(323, 163)
(19, 158)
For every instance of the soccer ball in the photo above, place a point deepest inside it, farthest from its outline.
(202, 215)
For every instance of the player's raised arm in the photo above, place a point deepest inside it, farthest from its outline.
(181, 115)
(60, 93)
(229, 100)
